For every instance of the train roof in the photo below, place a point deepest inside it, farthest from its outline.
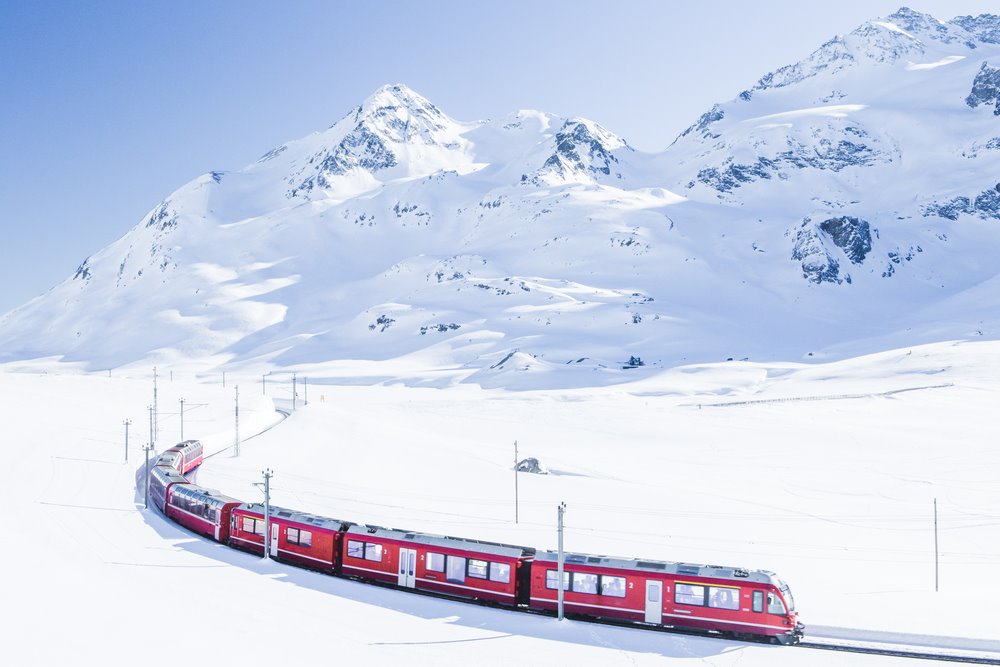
(187, 444)
(663, 567)
(443, 541)
(168, 457)
(206, 495)
(298, 517)
(168, 473)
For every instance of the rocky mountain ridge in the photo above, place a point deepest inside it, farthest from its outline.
(843, 204)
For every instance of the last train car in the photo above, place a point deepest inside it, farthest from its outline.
(742, 603)
(184, 456)
(202, 510)
(447, 565)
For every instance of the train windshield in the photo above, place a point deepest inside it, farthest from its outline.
(786, 593)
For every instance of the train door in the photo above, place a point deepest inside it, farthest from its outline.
(654, 601)
(407, 568)
(274, 540)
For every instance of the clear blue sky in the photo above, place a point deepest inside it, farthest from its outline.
(109, 106)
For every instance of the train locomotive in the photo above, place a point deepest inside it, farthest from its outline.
(735, 602)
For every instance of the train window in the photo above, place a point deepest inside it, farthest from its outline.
(774, 604)
(355, 549)
(252, 525)
(552, 576)
(584, 583)
(373, 552)
(613, 586)
(758, 601)
(212, 515)
(500, 572)
(478, 569)
(456, 570)
(689, 594)
(787, 594)
(303, 538)
(723, 597)
(435, 562)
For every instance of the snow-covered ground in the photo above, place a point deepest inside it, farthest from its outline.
(826, 474)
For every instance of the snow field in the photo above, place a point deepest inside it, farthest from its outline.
(832, 493)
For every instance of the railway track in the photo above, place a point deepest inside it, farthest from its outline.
(902, 653)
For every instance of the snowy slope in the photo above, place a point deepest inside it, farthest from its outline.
(824, 473)
(842, 205)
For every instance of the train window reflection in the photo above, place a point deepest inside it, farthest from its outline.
(456, 570)
(435, 562)
(478, 568)
(613, 586)
(584, 583)
(689, 594)
(500, 572)
(552, 576)
(723, 597)
(355, 549)
(373, 552)
(774, 604)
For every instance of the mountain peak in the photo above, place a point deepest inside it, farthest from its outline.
(397, 113)
(395, 132)
(393, 96)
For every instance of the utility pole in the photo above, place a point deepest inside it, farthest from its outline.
(515, 483)
(126, 423)
(236, 445)
(561, 560)
(935, 547)
(305, 383)
(293, 391)
(156, 411)
(151, 440)
(268, 474)
(148, 448)
(263, 383)
(223, 379)
(182, 418)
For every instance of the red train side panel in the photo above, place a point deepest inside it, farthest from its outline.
(732, 600)
(448, 565)
(296, 537)
(203, 511)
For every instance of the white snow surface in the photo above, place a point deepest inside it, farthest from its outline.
(824, 473)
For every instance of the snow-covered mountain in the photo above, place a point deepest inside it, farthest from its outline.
(846, 203)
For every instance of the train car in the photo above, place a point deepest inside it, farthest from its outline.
(739, 602)
(170, 458)
(161, 477)
(202, 510)
(296, 537)
(452, 566)
(184, 456)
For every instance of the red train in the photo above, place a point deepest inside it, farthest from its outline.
(183, 457)
(747, 604)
